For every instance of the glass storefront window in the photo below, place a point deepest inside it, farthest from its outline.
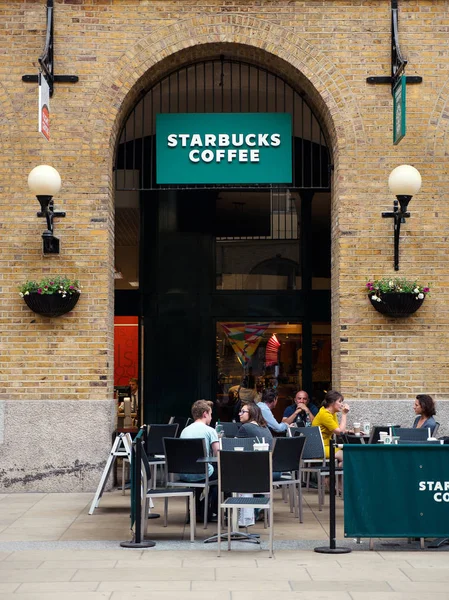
(321, 361)
(257, 240)
(253, 356)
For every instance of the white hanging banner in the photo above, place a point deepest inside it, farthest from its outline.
(44, 107)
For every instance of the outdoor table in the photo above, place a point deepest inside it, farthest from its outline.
(396, 490)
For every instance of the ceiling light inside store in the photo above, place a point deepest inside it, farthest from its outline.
(118, 274)
(134, 283)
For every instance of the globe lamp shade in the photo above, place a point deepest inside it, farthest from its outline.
(44, 181)
(405, 180)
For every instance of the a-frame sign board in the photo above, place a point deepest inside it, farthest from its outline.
(121, 448)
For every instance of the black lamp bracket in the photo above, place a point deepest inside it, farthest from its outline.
(398, 62)
(46, 61)
(50, 243)
(399, 215)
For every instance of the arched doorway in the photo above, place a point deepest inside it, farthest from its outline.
(196, 261)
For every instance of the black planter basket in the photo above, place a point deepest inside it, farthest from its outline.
(397, 304)
(51, 305)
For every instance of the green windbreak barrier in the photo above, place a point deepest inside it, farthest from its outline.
(396, 490)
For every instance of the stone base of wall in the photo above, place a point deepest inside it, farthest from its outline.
(397, 412)
(54, 446)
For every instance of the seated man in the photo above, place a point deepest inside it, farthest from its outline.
(200, 428)
(301, 412)
(269, 401)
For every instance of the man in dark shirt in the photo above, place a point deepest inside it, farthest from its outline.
(302, 408)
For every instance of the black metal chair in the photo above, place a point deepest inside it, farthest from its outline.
(182, 422)
(230, 430)
(374, 435)
(181, 458)
(351, 438)
(154, 447)
(155, 436)
(166, 493)
(232, 443)
(409, 434)
(287, 457)
(254, 475)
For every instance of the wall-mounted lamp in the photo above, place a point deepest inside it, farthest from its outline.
(45, 182)
(404, 182)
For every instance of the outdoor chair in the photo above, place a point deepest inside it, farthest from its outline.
(410, 435)
(254, 475)
(232, 443)
(230, 430)
(166, 493)
(155, 435)
(435, 429)
(374, 435)
(314, 459)
(291, 430)
(154, 447)
(181, 457)
(287, 456)
(182, 423)
(350, 438)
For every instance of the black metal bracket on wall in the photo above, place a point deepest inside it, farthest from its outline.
(46, 61)
(398, 62)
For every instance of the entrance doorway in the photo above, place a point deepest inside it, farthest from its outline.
(190, 258)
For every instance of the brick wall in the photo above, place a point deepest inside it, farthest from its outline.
(327, 48)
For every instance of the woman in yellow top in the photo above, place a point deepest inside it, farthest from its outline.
(327, 421)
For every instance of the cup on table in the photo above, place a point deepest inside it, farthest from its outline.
(261, 446)
(382, 436)
(239, 448)
(357, 428)
(388, 439)
(366, 428)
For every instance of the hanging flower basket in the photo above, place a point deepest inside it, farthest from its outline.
(396, 297)
(51, 305)
(51, 297)
(397, 305)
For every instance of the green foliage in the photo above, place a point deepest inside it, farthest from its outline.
(396, 285)
(51, 285)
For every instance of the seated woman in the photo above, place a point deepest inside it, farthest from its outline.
(425, 409)
(253, 425)
(301, 411)
(327, 421)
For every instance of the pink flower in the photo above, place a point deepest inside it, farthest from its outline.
(426, 290)
(39, 291)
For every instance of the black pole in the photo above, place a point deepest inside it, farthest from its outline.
(332, 549)
(136, 465)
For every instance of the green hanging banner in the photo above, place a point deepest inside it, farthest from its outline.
(224, 148)
(399, 109)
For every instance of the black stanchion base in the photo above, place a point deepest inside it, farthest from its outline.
(329, 550)
(154, 515)
(145, 544)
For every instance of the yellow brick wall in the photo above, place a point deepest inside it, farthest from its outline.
(327, 48)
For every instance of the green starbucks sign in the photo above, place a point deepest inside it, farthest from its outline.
(223, 148)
